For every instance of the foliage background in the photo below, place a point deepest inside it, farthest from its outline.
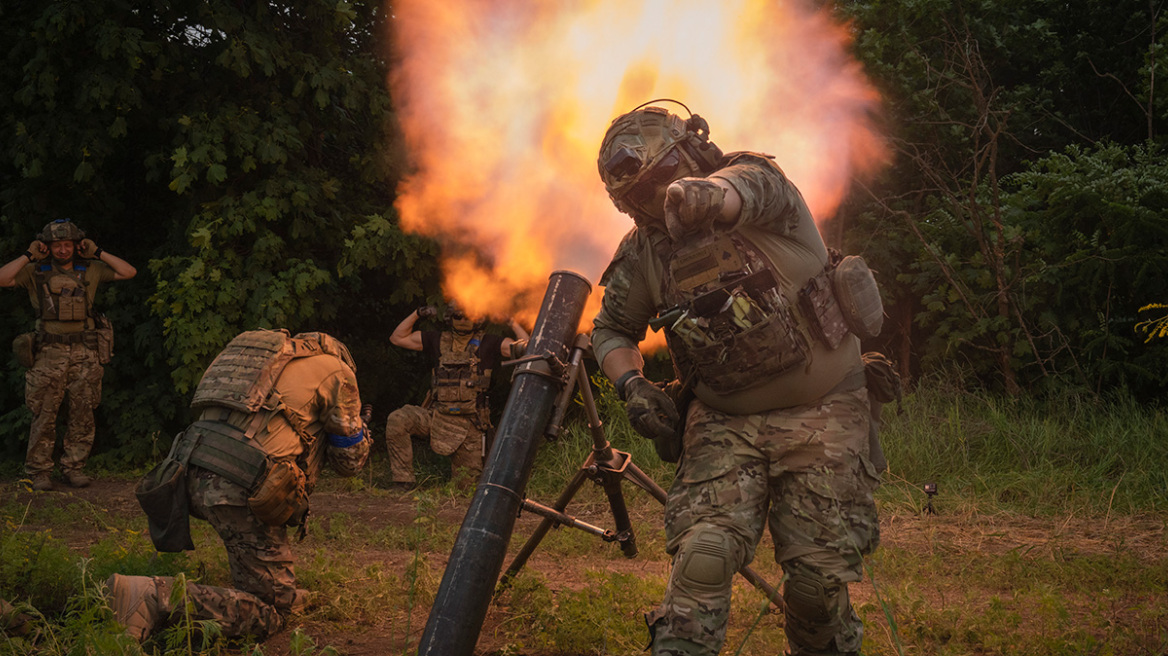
(244, 156)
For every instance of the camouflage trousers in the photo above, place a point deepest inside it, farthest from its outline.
(805, 472)
(456, 436)
(61, 368)
(258, 554)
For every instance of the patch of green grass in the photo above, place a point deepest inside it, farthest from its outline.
(1069, 456)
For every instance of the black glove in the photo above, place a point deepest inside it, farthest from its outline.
(426, 312)
(652, 414)
(692, 205)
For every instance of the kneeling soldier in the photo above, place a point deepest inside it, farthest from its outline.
(272, 409)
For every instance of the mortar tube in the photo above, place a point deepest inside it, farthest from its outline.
(468, 584)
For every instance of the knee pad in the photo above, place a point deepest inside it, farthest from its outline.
(819, 615)
(707, 561)
(812, 598)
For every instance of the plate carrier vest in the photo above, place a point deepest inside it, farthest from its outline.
(237, 399)
(67, 303)
(730, 324)
(456, 382)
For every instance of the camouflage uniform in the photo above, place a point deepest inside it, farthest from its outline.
(791, 451)
(459, 435)
(61, 367)
(321, 392)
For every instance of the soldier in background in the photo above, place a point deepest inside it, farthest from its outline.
(61, 270)
(769, 415)
(456, 416)
(272, 409)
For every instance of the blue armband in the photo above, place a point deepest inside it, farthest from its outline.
(343, 442)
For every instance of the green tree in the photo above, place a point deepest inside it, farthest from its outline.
(975, 91)
(241, 154)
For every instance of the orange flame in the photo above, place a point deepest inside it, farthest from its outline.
(504, 104)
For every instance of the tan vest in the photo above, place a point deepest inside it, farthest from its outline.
(456, 381)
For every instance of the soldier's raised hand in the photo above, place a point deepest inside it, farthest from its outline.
(427, 312)
(88, 249)
(692, 205)
(38, 250)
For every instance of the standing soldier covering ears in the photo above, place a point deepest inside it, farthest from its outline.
(456, 416)
(61, 270)
(769, 416)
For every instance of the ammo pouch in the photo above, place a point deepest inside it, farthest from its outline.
(818, 302)
(162, 493)
(24, 346)
(104, 331)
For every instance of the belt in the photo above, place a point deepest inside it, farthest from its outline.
(71, 338)
(852, 381)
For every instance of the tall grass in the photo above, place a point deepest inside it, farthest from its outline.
(1061, 456)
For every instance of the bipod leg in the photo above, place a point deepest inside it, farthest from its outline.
(532, 543)
(610, 480)
(607, 467)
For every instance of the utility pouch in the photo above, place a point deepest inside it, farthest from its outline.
(819, 304)
(858, 296)
(225, 450)
(670, 449)
(24, 346)
(105, 338)
(883, 387)
(162, 494)
(282, 497)
(71, 304)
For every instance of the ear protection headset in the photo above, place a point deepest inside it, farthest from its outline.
(696, 141)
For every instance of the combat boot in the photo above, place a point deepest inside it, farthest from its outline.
(12, 621)
(77, 479)
(42, 483)
(135, 602)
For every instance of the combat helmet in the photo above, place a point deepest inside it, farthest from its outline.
(60, 230)
(647, 147)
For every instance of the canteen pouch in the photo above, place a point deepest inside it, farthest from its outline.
(105, 339)
(858, 296)
(282, 497)
(24, 346)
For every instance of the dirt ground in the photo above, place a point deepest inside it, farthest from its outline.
(949, 532)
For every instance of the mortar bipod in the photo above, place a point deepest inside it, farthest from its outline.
(605, 466)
